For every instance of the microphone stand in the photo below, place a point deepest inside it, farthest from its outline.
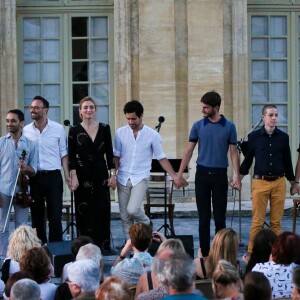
(157, 127)
(239, 147)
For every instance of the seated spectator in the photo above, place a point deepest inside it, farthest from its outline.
(296, 282)
(20, 240)
(256, 287)
(75, 246)
(179, 273)
(148, 281)
(83, 279)
(226, 281)
(262, 246)
(88, 251)
(130, 269)
(113, 288)
(25, 289)
(12, 279)
(36, 262)
(2, 286)
(285, 252)
(225, 245)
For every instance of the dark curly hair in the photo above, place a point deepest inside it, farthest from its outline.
(36, 262)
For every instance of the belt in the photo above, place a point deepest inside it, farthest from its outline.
(45, 172)
(267, 177)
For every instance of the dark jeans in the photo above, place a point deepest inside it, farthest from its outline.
(210, 186)
(47, 187)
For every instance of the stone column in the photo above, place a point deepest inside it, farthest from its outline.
(8, 60)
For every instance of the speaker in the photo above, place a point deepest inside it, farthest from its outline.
(60, 254)
(187, 241)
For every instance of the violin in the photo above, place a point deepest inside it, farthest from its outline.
(23, 197)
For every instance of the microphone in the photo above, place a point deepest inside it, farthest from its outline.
(67, 123)
(161, 119)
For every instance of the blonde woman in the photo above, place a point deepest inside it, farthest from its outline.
(224, 246)
(91, 156)
(21, 240)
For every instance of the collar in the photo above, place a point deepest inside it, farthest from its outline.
(48, 124)
(22, 137)
(263, 131)
(222, 121)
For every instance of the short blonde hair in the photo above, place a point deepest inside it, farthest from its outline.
(21, 240)
(175, 245)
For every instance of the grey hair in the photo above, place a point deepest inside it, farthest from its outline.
(25, 289)
(90, 251)
(179, 271)
(85, 273)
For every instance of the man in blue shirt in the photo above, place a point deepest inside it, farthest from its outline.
(214, 135)
(270, 148)
(13, 146)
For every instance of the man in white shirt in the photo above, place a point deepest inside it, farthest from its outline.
(47, 184)
(134, 147)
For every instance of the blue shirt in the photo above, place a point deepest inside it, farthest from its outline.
(184, 297)
(136, 153)
(130, 269)
(271, 152)
(213, 141)
(9, 158)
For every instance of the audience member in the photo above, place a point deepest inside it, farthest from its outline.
(75, 246)
(83, 279)
(285, 252)
(256, 286)
(262, 246)
(179, 273)
(225, 245)
(37, 262)
(296, 282)
(2, 287)
(113, 288)
(12, 279)
(130, 269)
(148, 281)
(25, 289)
(226, 281)
(21, 239)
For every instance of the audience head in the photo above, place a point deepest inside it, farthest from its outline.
(90, 251)
(25, 289)
(141, 236)
(225, 279)
(158, 263)
(83, 276)
(179, 272)
(134, 106)
(225, 246)
(296, 282)
(113, 288)
(175, 245)
(262, 246)
(21, 240)
(36, 262)
(79, 242)
(285, 249)
(257, 286)
(14, 278)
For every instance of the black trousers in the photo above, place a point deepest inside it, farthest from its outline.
(210, 187)
(47, 187)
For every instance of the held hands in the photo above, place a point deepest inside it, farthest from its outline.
(236, 183)
(73, 182)
(112, 182)
(295, 188)
(180, 182)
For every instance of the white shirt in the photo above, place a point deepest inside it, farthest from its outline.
(51, 142)
(136, 153)
(47, 290)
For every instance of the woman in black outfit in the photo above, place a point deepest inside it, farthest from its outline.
(91, 156)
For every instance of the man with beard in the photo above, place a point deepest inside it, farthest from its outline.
(16, 151)
(271, 150)
(214, 135)
(135, 145)
(47, 184)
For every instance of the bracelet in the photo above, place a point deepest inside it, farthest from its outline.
(122, 257)
(112, 172)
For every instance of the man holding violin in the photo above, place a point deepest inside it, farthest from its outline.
(17, 153)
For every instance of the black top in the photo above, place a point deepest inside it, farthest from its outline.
(271, 152)
(90, 157)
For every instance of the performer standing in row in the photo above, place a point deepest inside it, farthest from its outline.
(214, 135)
(12, 147)
(270, 148)
(47, 184)
(134, 147)
(91, 156)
